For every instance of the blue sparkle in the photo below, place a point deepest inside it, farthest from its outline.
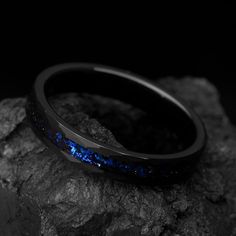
(70, 143)
(110, 162)
(73, 150)
(58, 137)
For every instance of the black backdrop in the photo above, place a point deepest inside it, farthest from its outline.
(197, 50)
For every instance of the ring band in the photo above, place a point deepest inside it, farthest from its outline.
(101, 157)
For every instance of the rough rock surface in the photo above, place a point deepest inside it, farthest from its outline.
(73, 202)
(18, 216)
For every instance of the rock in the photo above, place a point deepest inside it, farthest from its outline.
(18, 216)
(74, 202)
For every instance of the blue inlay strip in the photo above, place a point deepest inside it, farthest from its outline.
(88, 156)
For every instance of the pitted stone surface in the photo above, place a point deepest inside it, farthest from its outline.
(74, 202)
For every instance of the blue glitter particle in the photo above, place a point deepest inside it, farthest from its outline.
(58, 137)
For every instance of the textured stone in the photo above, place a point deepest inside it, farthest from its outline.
(18, 216)
(74, 202)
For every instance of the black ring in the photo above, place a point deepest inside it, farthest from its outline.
(100, 157)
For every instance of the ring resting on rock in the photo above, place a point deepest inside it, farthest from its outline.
(127, 87)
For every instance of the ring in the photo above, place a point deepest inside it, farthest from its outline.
(127, 87)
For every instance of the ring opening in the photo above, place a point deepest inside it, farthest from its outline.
(162, 128)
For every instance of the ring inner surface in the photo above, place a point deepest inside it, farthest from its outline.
(151, 124)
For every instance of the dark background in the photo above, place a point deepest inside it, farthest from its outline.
(152, 46)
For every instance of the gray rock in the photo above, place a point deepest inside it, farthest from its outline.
(74, 202)
(18, 216)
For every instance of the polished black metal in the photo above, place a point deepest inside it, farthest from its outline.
(101, 157)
